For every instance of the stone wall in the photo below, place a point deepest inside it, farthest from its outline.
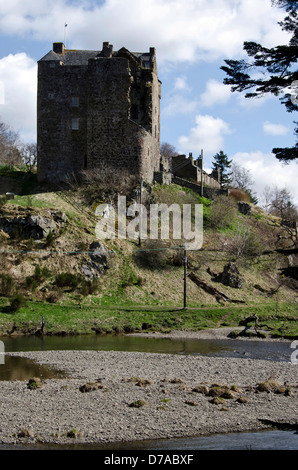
(10, 185)
(61, 150)
(210, 193)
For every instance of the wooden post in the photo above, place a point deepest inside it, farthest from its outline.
(202, 186)
(185, 277)
(140, 214)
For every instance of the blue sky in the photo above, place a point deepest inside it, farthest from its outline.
(192, 38)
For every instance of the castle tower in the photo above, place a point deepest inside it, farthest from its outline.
(97, 108)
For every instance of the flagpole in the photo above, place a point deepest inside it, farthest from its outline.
(65, 26)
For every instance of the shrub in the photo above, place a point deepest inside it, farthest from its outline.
(98, 183)
(137, 404)
(31, 283)
(89, 287)
(67, 280)
(41, 274)
(154, 254)
(222, 212)
(246, 243)
(73, 433)
(34, 383)
(3, 201)
(7, 284)
(239, 195)
(17, 302)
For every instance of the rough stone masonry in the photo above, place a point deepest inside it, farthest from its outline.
(97, 108)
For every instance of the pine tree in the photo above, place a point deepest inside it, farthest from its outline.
(221, 162)
(278, 73)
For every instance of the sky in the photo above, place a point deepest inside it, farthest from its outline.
(192, 39)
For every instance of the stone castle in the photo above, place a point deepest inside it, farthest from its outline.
(97, 108)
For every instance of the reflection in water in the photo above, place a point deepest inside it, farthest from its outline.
(112, 343)
(21, 368)
(267, 350)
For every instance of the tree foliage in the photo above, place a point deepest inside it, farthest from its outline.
(221, 161)
(28, 153)
(277, 71)
(13, 151)
(280, 203)
(9, 154)
(167, 150)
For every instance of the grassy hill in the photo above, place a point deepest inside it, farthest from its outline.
(43, 286)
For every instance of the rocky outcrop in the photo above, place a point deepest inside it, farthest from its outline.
(230, 276)
(32, 226)
(99, 260)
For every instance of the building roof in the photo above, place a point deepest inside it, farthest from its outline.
(81, 57)
(51, 56)
(70, 57)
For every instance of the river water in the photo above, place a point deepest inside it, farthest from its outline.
(16, 368)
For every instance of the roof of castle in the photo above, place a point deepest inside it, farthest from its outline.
(81, 57)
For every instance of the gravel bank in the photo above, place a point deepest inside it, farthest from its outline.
(172, 408)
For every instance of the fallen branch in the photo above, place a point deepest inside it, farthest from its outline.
(211, 290)
(251, 318)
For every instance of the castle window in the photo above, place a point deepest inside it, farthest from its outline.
(52, 65)
(75, 124)
(75, 101)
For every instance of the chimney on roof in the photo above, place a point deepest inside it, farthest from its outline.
(58, 47)
(107, 50)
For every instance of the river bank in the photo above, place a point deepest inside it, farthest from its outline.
(136, 396)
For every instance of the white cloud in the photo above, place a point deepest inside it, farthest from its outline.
(207, 135)
(179, 101)
(177, 104)
(181, 84)
(2, 92)
(182, 31)
(216, 93)
(266, 170)
(19, 83)
(275, 129)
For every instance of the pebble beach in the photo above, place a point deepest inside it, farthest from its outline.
(112, 396)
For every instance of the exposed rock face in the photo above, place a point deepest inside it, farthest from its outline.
(32, 226)
(231, 276)
(99, 256)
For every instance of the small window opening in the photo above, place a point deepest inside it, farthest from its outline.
(75, 124)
